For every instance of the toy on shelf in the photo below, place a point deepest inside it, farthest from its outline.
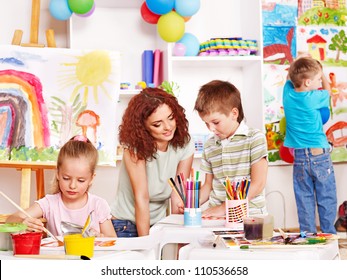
(141, 85)
(124, 85)
(228, 47)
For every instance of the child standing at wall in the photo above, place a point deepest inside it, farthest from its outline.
(71, 201)
(313, 172)
(234, 151)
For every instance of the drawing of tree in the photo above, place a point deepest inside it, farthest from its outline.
(339, 44)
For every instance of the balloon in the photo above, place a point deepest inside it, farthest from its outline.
(81, 6)
(147, 15)
(88, 13)
(325, 114)
(282, 126)
(59, 9)
(160, 7)
(285, 154)
(179, 49)
(171, 27)
(187, 7)
(192, 44)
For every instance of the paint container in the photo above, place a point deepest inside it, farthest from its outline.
(235, 211)
(192, 217)
(253, 228)
(76, 244)
(27, 243)
(5, 234)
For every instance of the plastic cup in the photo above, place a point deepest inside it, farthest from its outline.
(253, 228)
(27, 243)
(5, 234)
(192, 217)
(76, 244)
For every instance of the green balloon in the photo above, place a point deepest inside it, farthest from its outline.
(283, 126)
(80, 6)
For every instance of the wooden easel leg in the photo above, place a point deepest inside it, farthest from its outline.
(40, 183)
(25, 188)
(17, 37)
(50, 38)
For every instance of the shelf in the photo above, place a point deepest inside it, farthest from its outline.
(197, 61)
(127, 93)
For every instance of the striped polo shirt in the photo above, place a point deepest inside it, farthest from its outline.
(233, 158)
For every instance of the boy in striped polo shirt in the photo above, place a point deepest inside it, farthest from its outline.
(235, 151)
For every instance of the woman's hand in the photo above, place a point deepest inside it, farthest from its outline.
(180, 207)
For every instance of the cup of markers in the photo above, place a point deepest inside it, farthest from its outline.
(189, 192)
(236, 203)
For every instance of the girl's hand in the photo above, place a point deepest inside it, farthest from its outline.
(33, 224)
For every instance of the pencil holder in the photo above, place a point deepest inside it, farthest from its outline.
(235, 211)
(192, 217)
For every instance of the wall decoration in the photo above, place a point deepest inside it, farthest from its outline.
(321, 31)
(47, 95)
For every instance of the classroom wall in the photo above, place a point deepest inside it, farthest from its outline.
(15, 14)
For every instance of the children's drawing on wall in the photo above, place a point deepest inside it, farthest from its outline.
(47, 95)
(321, 31)
(279, 20)
(274, 78)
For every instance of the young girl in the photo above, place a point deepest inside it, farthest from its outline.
(71, 201)
(154, 133)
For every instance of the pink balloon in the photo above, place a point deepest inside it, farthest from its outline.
(89, 13)
(179, 49)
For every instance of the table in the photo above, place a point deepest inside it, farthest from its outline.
(134, 248)
(172, 230)
(196, 251)
(200, 241)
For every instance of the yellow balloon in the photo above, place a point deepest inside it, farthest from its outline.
(171, 27)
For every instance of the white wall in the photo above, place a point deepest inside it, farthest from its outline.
(15, 14)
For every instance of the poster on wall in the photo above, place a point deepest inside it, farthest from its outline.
(320, 31)
(48, 95)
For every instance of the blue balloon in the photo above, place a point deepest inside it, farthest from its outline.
(160, 7)
(187, 8)
(325, 114)
(60, 9)
(192, 44)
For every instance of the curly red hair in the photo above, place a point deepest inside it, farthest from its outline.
(133, 134)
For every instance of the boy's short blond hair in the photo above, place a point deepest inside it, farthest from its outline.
(302, 69)
(219, 96)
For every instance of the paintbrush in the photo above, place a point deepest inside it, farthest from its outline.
(28, 215)
(54, 257)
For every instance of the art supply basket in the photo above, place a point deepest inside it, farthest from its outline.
(235, 211)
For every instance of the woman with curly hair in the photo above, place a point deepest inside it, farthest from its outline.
(157, 146)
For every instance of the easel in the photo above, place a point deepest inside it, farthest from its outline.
(34, 30)
(27, 167)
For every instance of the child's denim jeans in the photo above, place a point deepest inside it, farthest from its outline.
(314, 182)
(124, 228)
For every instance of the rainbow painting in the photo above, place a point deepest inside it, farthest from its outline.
(48, 95)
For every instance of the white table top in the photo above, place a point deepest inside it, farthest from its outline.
(200, 241)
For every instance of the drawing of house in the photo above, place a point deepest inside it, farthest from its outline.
(316, 47)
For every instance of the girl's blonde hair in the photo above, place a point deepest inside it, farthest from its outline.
(78, 146)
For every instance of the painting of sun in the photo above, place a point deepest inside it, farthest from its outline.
(47, 95)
